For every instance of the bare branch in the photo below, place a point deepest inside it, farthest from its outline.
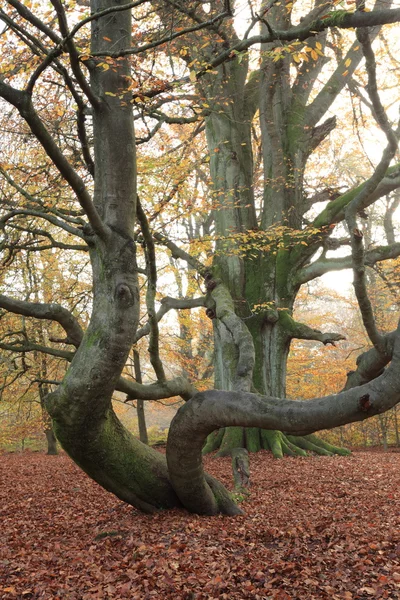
(151, 267)
(327, 265)
(164, 40)
(370, 364)
(179, 386)
(52, 312)
(180, 253)
(301, 331)
(23, 103)
(167, 304)
(353, 207)
(207, 410)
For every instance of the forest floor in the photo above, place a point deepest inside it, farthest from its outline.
(314, 528)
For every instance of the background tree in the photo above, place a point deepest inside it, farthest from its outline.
(93, 207)
(268, 236)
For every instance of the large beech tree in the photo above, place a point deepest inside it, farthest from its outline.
(83, 196)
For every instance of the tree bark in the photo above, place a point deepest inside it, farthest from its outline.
(140, 403)
(51, 439)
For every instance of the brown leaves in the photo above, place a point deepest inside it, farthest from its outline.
(314, 529)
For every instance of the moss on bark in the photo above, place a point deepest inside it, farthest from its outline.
(252, 439)
(110, 455)
(213, 441)
(273, 440)
(306, 444)
(329, 447)
(233, 438)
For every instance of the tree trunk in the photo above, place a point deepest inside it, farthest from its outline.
(396, 427)
(140, 403)
(384, 431)
(52, 449)
(84, 421)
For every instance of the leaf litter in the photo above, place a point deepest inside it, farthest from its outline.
(313, 529)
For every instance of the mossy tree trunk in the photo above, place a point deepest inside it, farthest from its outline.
(83, 418)
(257, 256)
(263, 248)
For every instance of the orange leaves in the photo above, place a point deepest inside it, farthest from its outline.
(313, 528)
(298, 52)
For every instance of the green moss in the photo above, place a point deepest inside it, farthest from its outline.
(233, 438)
(327, 446)
(282, 272)
(295, 129)
(336, 18)
(295, 449)
(272, 439)
(302, 442)
(213, 441)
(252, 437)
(286, 448)
(287, 322)
(335, 207)
(91, 338)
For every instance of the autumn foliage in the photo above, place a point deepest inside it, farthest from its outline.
(323, 529)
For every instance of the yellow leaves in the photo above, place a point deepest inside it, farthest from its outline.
(103, 66)
(192, 76)
(298, 55)
(110, 94)
(347, 62)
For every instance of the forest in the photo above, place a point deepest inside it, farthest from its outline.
(180, 181)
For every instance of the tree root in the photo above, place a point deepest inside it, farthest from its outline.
(280, 444)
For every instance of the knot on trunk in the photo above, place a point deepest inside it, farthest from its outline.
(210, 313)
(365, 403)
(211, 284)
(123, 295)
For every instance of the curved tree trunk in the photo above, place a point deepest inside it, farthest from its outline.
(83, 419)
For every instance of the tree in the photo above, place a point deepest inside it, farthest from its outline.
(44, 81)
(266, 248)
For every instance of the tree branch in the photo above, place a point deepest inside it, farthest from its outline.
(180, 253)
(334, 211)
(23, 103)
(167, 304)
(302, 331)
(52, 312)
(370, 364)
(46, 217)
(213, 409)
(151, 268)
(327, 265)
(354, 206)
(179, 386)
